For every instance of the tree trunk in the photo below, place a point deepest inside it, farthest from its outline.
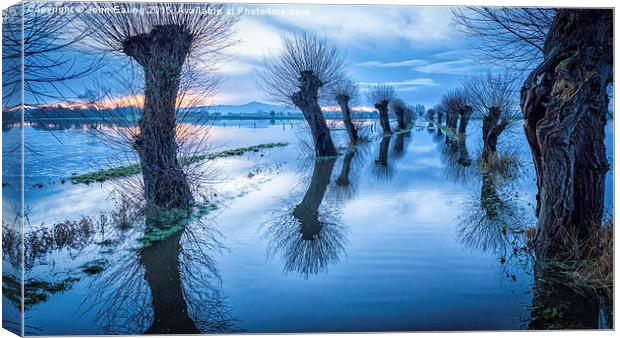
(343, 101)
(439, 118)
(382, 107)
(306, 99)
(400, 115)
(161, 53)
(464, 158)
(430, 114)
(565, 103)
(492, 127)
(465, 115)
(452, 120)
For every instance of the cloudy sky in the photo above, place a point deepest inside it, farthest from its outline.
(416, 49)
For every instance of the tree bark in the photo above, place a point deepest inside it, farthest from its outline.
(565, 104)
(306, 99)
(492, 128)
(400, 115)
(439, 118)
(382, 107)
(464, 158)
(161, 53)
(465, 114)
(343, 101)
(452, 119)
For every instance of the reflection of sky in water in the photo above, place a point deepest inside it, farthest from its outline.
(403, 266)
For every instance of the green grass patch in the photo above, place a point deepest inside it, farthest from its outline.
(164, 224)
(35, 290)
(134, 169)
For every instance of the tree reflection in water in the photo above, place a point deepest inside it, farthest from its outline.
(455, 157)
(383, 170)
(311, 236)
(497, 220)
(171, 286)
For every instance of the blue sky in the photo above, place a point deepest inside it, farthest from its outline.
(416, 49)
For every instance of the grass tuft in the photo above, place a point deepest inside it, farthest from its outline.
(134, 169)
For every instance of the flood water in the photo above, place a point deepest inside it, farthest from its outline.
(402, 233)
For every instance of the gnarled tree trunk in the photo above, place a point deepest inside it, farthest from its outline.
(343, 101)
(565, 103)
(492, 127)
(382, 107)
(452, 120)
(306, 99)
(464, 121)
(161, 53)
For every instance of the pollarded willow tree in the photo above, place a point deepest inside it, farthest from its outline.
(163, 39)
(439, 110)
(304, 72)
(430, 116)
(346, 92)
(493, 96)
(419, 110)
(455, 104)
(565, 105)
(380, 96)
(401, 111)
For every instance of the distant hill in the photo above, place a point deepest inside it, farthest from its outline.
(248, 108)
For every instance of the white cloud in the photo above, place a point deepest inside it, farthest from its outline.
(457, 67)
(405, 63)
(355, 25)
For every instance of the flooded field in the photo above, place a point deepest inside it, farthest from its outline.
(399, 233)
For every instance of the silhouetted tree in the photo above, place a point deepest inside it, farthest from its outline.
(305, 71)
(419, 110)
(400, 110)
(345, 92)
(493, 96)
(162, 43)
(565, 104)
(455, 103)
(440, 112)
(380, 96)
(430, 116)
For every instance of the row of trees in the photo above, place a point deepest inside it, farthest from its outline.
(308, 71)
(491, 97)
